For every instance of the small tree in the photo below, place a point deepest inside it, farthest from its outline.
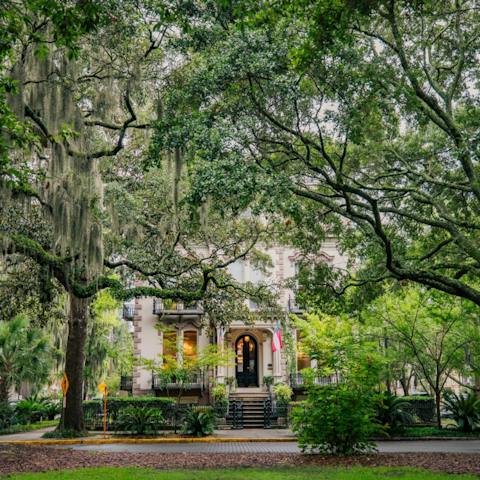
(338, 418)
(25, 355)
(434, 331)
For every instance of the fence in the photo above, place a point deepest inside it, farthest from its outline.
(172, 414)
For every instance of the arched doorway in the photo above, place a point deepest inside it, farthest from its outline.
(246, 367)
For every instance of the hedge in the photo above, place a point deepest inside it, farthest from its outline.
(421, 407)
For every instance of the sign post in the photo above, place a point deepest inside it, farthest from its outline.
(65, 384)
(102, 388)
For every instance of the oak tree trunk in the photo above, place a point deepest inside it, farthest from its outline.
(72, 418)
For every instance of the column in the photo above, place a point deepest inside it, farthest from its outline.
(221, 348)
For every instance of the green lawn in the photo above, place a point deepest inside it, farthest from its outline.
(29, 427)
(299, 473)
(436, 432)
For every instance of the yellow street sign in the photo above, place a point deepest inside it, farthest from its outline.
(102, 388)
(65, 384)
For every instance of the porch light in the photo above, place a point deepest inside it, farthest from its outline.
(246, 338)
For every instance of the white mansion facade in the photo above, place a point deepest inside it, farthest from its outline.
(251, 344)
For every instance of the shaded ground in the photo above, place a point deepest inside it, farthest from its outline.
(16, 458)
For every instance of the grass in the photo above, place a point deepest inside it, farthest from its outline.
(29, 427)
(436, 432)
(288, 473)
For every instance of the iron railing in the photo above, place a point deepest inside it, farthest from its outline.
(298, 380)
(294, 308)
(161, 307)
(235, 414)
(126, 383)
(159, 383)
(128, 312)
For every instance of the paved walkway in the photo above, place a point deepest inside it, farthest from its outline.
(427, 446)
(282, 433)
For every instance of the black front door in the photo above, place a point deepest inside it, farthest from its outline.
(246, 369)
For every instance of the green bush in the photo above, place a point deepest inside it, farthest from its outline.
(199, 422)
(283, 393)
(50, 409)
(336, 420)
(29, 410)
(140, 420)
(8, 417)
(465, 410)
(392, 413)
(93, 409)
(268, 380)
(421, 407)
(220, 400)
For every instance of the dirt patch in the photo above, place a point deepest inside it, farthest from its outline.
(20, 458)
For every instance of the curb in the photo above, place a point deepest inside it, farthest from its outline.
(106, 441)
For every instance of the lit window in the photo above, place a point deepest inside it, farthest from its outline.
(170, 343)
(303, 360)
(190, 345)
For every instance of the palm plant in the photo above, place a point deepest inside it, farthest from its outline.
(25, 355)
(140, 420)
(392, 412)
(464, 409)
(199, 423)
(29, 410)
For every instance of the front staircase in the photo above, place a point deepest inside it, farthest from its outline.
(252, 409)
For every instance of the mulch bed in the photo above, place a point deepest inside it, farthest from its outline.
(16, 458)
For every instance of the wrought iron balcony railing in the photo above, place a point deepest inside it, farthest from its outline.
(159, 383)
(161, 307)
(298, 380)
(294, 308)
(126, 383)
(128, 312)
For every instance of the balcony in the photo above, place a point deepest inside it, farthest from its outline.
(126, 383)
(293, 307)
(192, 383)
(297, 380)
(128, 312)
(175, 309)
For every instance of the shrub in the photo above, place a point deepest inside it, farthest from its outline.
(392, 413)
(8, 417)
(421, 407)
(29, 410)
(199, 422)
(268, 381)
(219, 393)
(336, 419)
(220, 400)
(465, 410)
(50, 409)
(231, 382)
(140, 420)
(93, 409)
(283, 393)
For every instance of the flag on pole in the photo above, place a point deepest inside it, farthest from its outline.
(277, 338)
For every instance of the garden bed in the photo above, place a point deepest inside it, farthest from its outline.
(16, 458)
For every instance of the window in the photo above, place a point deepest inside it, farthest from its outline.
(190, 345)
(170, 343)
(303, 360)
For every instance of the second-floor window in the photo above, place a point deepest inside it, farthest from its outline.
(303, 360)
(190, 345)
